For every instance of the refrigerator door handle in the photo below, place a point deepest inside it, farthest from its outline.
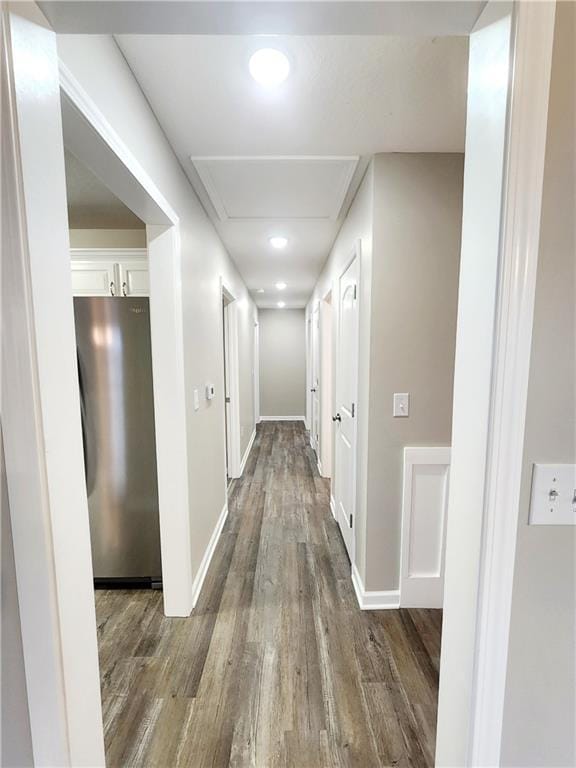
(87, 432)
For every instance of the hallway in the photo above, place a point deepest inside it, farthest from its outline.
(277, 666)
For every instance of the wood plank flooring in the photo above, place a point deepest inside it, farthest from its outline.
(277, 666)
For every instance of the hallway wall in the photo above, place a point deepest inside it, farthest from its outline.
(95, 61)
(282, 363)
(540, 707)
(407, 215)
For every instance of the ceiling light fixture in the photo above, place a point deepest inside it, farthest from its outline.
(269, 67)
(280, 286)
(278, 242)
(281, 304)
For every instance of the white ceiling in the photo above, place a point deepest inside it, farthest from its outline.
(346, 97)
(91, 205)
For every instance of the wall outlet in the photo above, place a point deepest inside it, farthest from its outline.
(401, 405)
(210, 392)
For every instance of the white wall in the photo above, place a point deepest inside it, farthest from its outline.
(282, 363)
(407, 214)
(95, 62)
(540, 706)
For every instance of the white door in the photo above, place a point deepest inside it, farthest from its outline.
(315, 381)
(346, 404)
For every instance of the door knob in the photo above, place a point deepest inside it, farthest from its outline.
(337, 417)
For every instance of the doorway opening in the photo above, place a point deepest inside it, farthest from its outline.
(230, 385)
(110, 288)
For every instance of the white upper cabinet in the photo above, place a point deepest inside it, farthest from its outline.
(119, 272)
(93, 278)
(133, 277)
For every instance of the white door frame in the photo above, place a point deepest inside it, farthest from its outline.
(48, 503)
(94, 142)
(315, 380)
(520, 239)
(256, 371)
(326, 388)
(231, 377)
(474, 685)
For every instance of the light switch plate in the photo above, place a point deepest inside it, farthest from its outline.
(553, 499)
(401, 404)
(196, 400)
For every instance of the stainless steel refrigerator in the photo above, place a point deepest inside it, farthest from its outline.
(116, 398)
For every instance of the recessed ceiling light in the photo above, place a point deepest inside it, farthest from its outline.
(278, 242)
(281, 304)
(260, 290)
(269, 67)
(280, 286)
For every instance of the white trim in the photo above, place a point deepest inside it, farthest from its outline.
(166, 336)
(208, 554)
(95, 254)
(90, 112)
(319, 466)
(333, 506)
(231, 379)
(283, 418)
(247, 452)
(422, 590)
(371, 600)
(256, 369)
(526, 138)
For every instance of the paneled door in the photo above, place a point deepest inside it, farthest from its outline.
(315, 380)
(346, 403)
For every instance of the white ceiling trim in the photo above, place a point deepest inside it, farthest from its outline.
(275, 187)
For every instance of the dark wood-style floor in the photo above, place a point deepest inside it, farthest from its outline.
(277, 666)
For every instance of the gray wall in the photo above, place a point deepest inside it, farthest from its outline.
(16, 747)
(415, 268)
(282, 362)
(540, 711)
(407, 215)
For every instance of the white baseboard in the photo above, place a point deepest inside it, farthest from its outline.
(371, 600)
(319, 465)
(282, 418)
(205, 564)
(247, 452)
(333, 507)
